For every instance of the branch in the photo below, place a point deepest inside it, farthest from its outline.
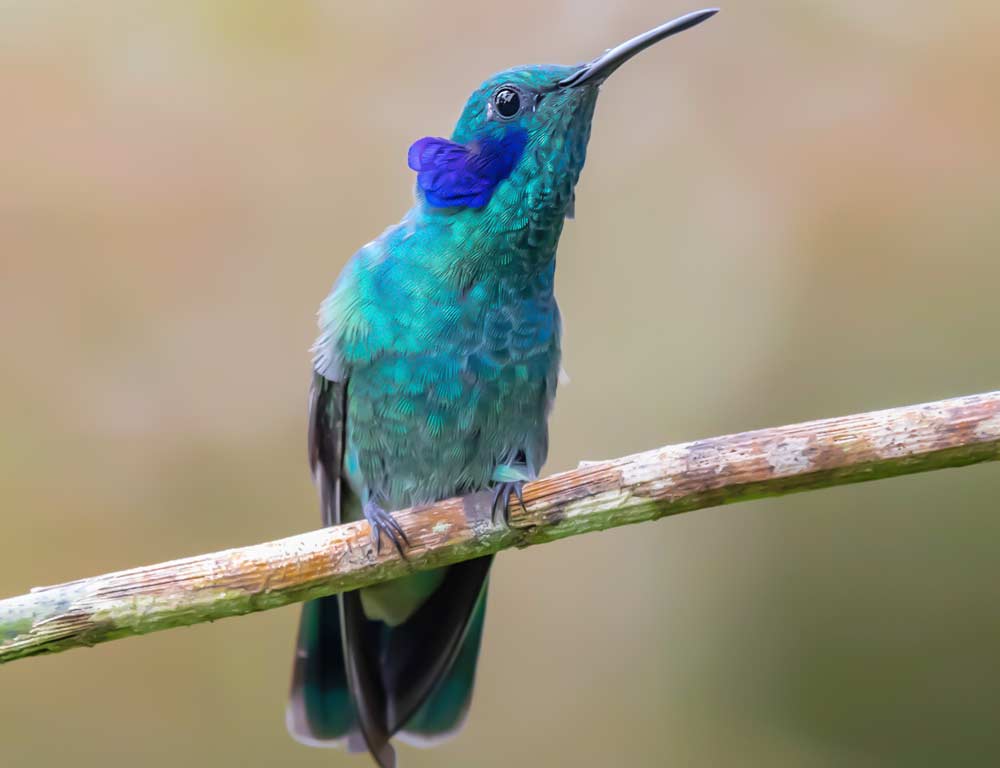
(596, 496)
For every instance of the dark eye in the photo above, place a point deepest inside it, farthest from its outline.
(507, 102)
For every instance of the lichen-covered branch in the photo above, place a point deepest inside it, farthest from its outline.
(596, 496)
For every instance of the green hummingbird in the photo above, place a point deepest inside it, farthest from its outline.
(434, 374)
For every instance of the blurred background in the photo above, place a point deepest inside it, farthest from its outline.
(789, 213)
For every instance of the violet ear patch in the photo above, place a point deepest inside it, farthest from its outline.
(464, 175)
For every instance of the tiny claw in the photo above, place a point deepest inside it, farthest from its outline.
(383, 523)
(518, 488)
(501, 499)
(499, 502)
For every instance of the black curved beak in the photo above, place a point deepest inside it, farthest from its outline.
(597, 71)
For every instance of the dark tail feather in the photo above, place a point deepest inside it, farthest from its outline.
(320, 712)
(362, 642)
(443, 714)
(421, 651)
(356, 682)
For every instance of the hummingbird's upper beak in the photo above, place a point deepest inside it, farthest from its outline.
(597, 71)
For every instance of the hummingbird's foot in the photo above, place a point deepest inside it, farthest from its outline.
(501, 499)
(383, 523)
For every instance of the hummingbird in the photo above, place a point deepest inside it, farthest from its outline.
(434, 374)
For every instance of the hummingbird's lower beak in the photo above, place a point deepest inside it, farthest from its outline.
(597, 71)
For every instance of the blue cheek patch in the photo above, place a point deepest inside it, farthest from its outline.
(453, 175)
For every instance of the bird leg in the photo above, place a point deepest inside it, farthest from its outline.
(510, 479)
(383, 522)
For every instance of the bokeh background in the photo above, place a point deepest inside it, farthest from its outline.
(789, 213)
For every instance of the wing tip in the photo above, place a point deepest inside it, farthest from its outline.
(297, 725)
(428, 740)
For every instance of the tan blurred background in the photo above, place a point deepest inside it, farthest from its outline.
(788, 213)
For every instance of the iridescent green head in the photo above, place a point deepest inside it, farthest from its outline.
(524, 100)
(536, 114)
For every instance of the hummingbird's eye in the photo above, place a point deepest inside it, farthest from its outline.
(507, 102)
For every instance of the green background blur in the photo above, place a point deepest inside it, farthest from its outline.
(791, 212)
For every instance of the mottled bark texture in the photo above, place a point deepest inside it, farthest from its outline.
(596, 496)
